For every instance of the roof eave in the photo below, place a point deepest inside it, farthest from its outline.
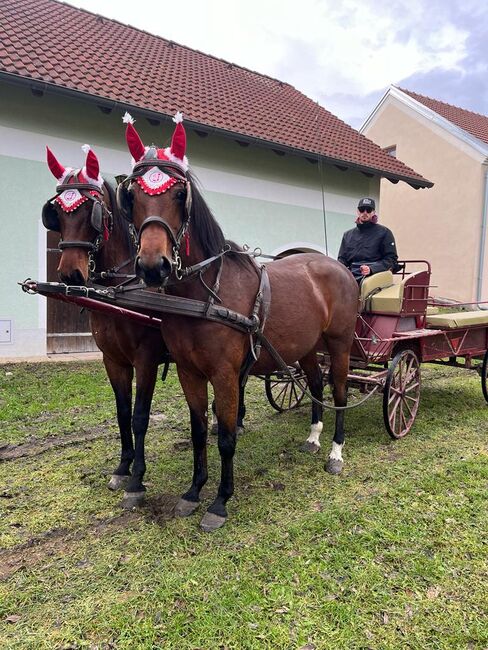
(107, 103)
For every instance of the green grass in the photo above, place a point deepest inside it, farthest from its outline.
(391, 554)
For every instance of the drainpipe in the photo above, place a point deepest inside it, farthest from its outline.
(484, 223)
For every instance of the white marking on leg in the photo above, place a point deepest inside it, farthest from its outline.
(336, 451)
(315, 431)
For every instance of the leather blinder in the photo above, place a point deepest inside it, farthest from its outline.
(50, 219)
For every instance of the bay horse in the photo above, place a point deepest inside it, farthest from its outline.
(314, 301)
(95, 238)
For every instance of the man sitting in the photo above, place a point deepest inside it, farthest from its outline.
(369, 247)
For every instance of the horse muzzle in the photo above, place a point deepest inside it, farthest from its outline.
(154, 274)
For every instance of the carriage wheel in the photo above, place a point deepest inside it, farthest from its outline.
(282, 393)
(484, 374)
(401, 394)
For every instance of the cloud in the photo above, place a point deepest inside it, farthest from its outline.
(340, 54)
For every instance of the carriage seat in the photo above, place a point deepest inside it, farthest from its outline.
(372, 285)
(457, 319)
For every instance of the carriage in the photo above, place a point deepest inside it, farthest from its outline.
(399, 326)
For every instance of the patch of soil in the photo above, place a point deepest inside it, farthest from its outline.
(160, 508)
(40, 445)
(59, 542)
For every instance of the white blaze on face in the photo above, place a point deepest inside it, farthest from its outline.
(336, 451)
(315, 431)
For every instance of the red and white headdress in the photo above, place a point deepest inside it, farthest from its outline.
(155, 181)
(70, 199)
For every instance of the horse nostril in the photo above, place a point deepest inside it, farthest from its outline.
(165, 268)
(75, 278)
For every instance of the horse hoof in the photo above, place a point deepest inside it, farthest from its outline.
(133, 500)
(185, 508)
(334, 466)
(117, 482)
(310, 447)
(211, 522)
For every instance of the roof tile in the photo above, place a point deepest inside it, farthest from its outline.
(130, 66)
(473, 123)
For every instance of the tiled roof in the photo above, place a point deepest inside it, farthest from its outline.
(55, 43)
(473, 123)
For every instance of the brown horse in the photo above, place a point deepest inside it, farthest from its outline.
(93, 234)
(314, 302)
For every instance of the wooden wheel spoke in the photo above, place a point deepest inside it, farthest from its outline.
(395, 406)
(394, 393)
(280, 393)
(408, 389)
(405, 403)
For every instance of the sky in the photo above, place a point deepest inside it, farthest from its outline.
(343, 54)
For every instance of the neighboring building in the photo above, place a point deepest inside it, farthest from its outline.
(448, 225)
(279, 170)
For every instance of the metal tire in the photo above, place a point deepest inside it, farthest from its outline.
(484, 376)
(282, 393)
(401, 394)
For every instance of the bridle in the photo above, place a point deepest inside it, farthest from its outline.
(100, 216)
(176, 172)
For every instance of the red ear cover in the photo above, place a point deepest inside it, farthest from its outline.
(178, 142)
(134, 142)
(57, 170)
(92, 165)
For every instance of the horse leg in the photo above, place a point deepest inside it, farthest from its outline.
(226, 389)
(311, 368)
(121, 380)
(241, 411)
(145, 381)
(241, 414)
(339, 363)
(196, 393)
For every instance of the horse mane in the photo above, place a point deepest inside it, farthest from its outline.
(119, 223)
(206, 230)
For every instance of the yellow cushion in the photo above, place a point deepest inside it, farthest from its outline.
(458, 319)
(376, 281)
(388, 300)
(432, 310)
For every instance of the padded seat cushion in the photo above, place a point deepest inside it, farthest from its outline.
(376, 281)
(388, 300)
(458, 319)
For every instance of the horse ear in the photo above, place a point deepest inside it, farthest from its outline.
(57, 170)
(134, 142)
(92, 165)
(178, 142)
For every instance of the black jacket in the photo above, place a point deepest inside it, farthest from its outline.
(371, 244)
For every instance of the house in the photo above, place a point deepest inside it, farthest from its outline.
(279, 171)
(448, 225)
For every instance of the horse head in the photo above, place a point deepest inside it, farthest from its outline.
(156, 198)
(78, 211)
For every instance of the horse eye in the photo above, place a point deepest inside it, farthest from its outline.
(181, 196)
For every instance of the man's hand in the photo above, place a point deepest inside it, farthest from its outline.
(365, 270)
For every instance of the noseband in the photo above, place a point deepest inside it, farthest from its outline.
(176, 172)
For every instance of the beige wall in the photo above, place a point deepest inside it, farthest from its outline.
(441, 224)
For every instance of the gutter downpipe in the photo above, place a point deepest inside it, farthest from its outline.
(484, 224)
